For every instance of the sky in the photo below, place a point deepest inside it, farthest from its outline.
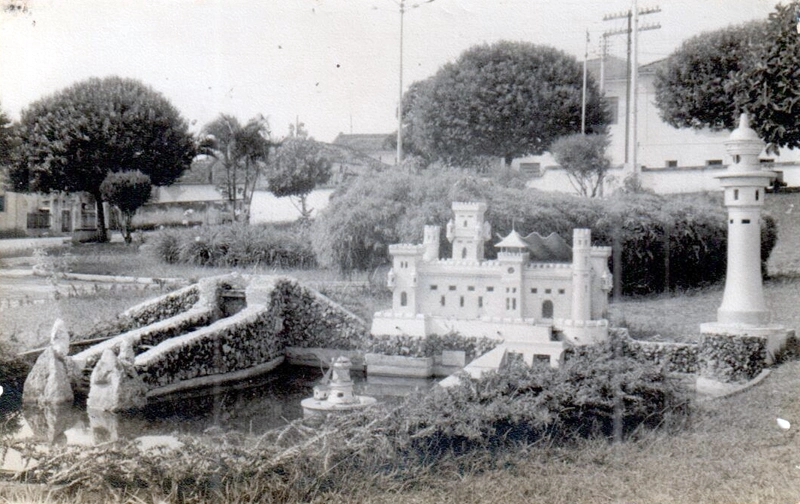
(332, 64)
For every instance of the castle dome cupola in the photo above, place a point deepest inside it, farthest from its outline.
(513, 242)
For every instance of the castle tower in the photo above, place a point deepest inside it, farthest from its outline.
(467, 231)
(581, 274)
(513, 256)
(431, 241)
(403, 277)
(744, 183)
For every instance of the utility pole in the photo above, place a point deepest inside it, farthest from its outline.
(402, 5)
(583, 96)
(400, 98)
(632, 71)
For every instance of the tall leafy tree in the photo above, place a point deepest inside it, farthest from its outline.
(506, 100)
(243, 151)
(584, 159)
(71, 140)
(6, 146)
(693, 88)
(297, 167)
(753, 68)
(127, 191)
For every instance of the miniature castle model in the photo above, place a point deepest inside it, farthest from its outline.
(538, 291)
(743, 310)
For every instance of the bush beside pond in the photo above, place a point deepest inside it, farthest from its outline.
(484, 417)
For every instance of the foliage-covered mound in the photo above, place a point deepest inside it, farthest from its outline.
(675, 239)
(388, 444)
(234, 245)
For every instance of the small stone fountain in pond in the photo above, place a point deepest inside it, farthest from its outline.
(335, 393)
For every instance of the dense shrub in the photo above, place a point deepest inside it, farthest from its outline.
(731, 358)
(483, 417)
(234, 245)
(666, 241)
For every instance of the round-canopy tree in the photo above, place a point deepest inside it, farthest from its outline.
(127, 191)
(71, 140)
(753, 67)
(508, 99)
(297, 166)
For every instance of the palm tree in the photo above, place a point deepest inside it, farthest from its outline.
(243, 152)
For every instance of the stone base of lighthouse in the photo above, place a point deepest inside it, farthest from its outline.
(775, 336)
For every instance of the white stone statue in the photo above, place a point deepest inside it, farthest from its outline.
(115, 385)
(48, 382)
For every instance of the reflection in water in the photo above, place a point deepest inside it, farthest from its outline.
(251, 406)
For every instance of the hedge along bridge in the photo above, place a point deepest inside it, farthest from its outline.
(222, 329)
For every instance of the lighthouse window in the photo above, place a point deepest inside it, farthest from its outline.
(745, 221)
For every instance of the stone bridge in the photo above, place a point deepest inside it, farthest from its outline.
(220, 329)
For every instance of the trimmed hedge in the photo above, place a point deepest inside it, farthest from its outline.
(675, 241)
(434, 344)
(728, 358)
(673, 357)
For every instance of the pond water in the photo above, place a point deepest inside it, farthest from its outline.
(251, 406)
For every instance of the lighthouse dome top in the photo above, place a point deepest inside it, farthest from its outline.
(744, 131)
(745, 146)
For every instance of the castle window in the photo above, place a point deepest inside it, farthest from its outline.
(561, 291)
(672, 163)
(757, 194)
(464, 253)
(461, 302)
(442, 300)
(745, 221)
(736, 194)
(534, 290)
(480, 301)
(547, 309)
(548, 291)
(470, 288)
(514, 290)
(489, 289)
(465, 223)
(434, 287)
(452, 287)
(510, 270)
(403, 299)
(713, 162)
(508, 303)
(513, 303)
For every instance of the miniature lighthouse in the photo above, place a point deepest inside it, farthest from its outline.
(743, 310)
(337, 394)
